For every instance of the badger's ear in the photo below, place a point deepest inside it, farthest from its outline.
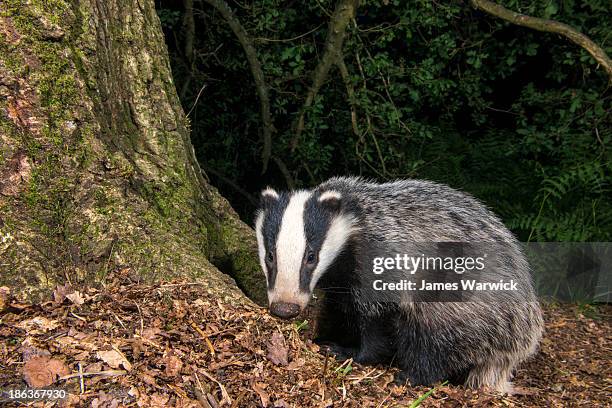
(331, 200)
(268, 197)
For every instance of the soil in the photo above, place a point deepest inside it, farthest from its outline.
(130, 344)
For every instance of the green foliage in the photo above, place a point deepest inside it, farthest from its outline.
(520, 119)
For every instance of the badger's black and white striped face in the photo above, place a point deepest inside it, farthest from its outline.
(299, 235)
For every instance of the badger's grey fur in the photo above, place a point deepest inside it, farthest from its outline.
(324, 236)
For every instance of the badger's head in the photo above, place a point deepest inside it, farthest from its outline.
(299, 235)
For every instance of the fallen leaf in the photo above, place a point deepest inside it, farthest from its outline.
(60, 292)
(29, 350)
(277, 351)
(173, 365)
(38, 324)
(76, 298)
(104, 400)
(296, 364)
(42, 371)
(200, 302)
(159, 400)
(147, 379)
(280, 404)
(5, 293)
(516, 390)
(114, 358)
(259, 388)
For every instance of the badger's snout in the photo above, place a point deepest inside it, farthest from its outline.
(284, 310)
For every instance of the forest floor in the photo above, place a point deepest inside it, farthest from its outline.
(164, 345)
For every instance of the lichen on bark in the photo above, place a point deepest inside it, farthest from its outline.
(97, 167)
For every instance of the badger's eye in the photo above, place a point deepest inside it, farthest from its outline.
(311, 257)
(270, 257)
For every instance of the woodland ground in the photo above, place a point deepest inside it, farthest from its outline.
(167, 345)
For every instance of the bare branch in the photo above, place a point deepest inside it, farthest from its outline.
(549, 26)
(260, 82)
(349, 91)
(343, 14)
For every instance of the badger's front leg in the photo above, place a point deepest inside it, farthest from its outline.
(375, 345)
(376, 340)
(337, 325)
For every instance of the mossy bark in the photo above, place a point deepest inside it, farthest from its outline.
(97, 170)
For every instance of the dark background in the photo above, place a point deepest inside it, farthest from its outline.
(518, 118)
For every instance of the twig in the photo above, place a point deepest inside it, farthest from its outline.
(204, 336)
(325, 365)
(78, 317)
(141, 319)
(223, 390)
(196, 100)
(200, 394)
(263, 39)
(119, 320)
(148, 341)
(550, 26)
(106, 373)
(81, 382)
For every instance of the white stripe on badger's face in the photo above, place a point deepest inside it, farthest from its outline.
(290, 247)
(338, 234)
(260, 243)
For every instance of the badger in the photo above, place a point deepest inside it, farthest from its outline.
(326, 238)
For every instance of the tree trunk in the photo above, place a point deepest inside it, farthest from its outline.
(97, 170)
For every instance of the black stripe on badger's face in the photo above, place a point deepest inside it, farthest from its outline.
(317, 220)
(267, 226)
(299, 236)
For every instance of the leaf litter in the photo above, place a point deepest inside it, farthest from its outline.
(172, 345)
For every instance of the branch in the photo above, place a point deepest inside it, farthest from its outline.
(349, 91)
(188, 31)
(549, 26)
(256, 71)
(189, 35)
(343, 14)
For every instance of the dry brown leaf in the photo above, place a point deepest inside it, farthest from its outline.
(150, 333)
(159, 400)
(173, 365)
(38, 324)
(76, 297)
(277, 351)
(29, 351)
(60, 292)
(281, 404)
(114, 358)
(42, 371)
(147, 379)
(259, 388)
(5, 293)
(296, 364)
(104, 400)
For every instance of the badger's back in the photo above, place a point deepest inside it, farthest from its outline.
(419, 211)
(404, 212)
